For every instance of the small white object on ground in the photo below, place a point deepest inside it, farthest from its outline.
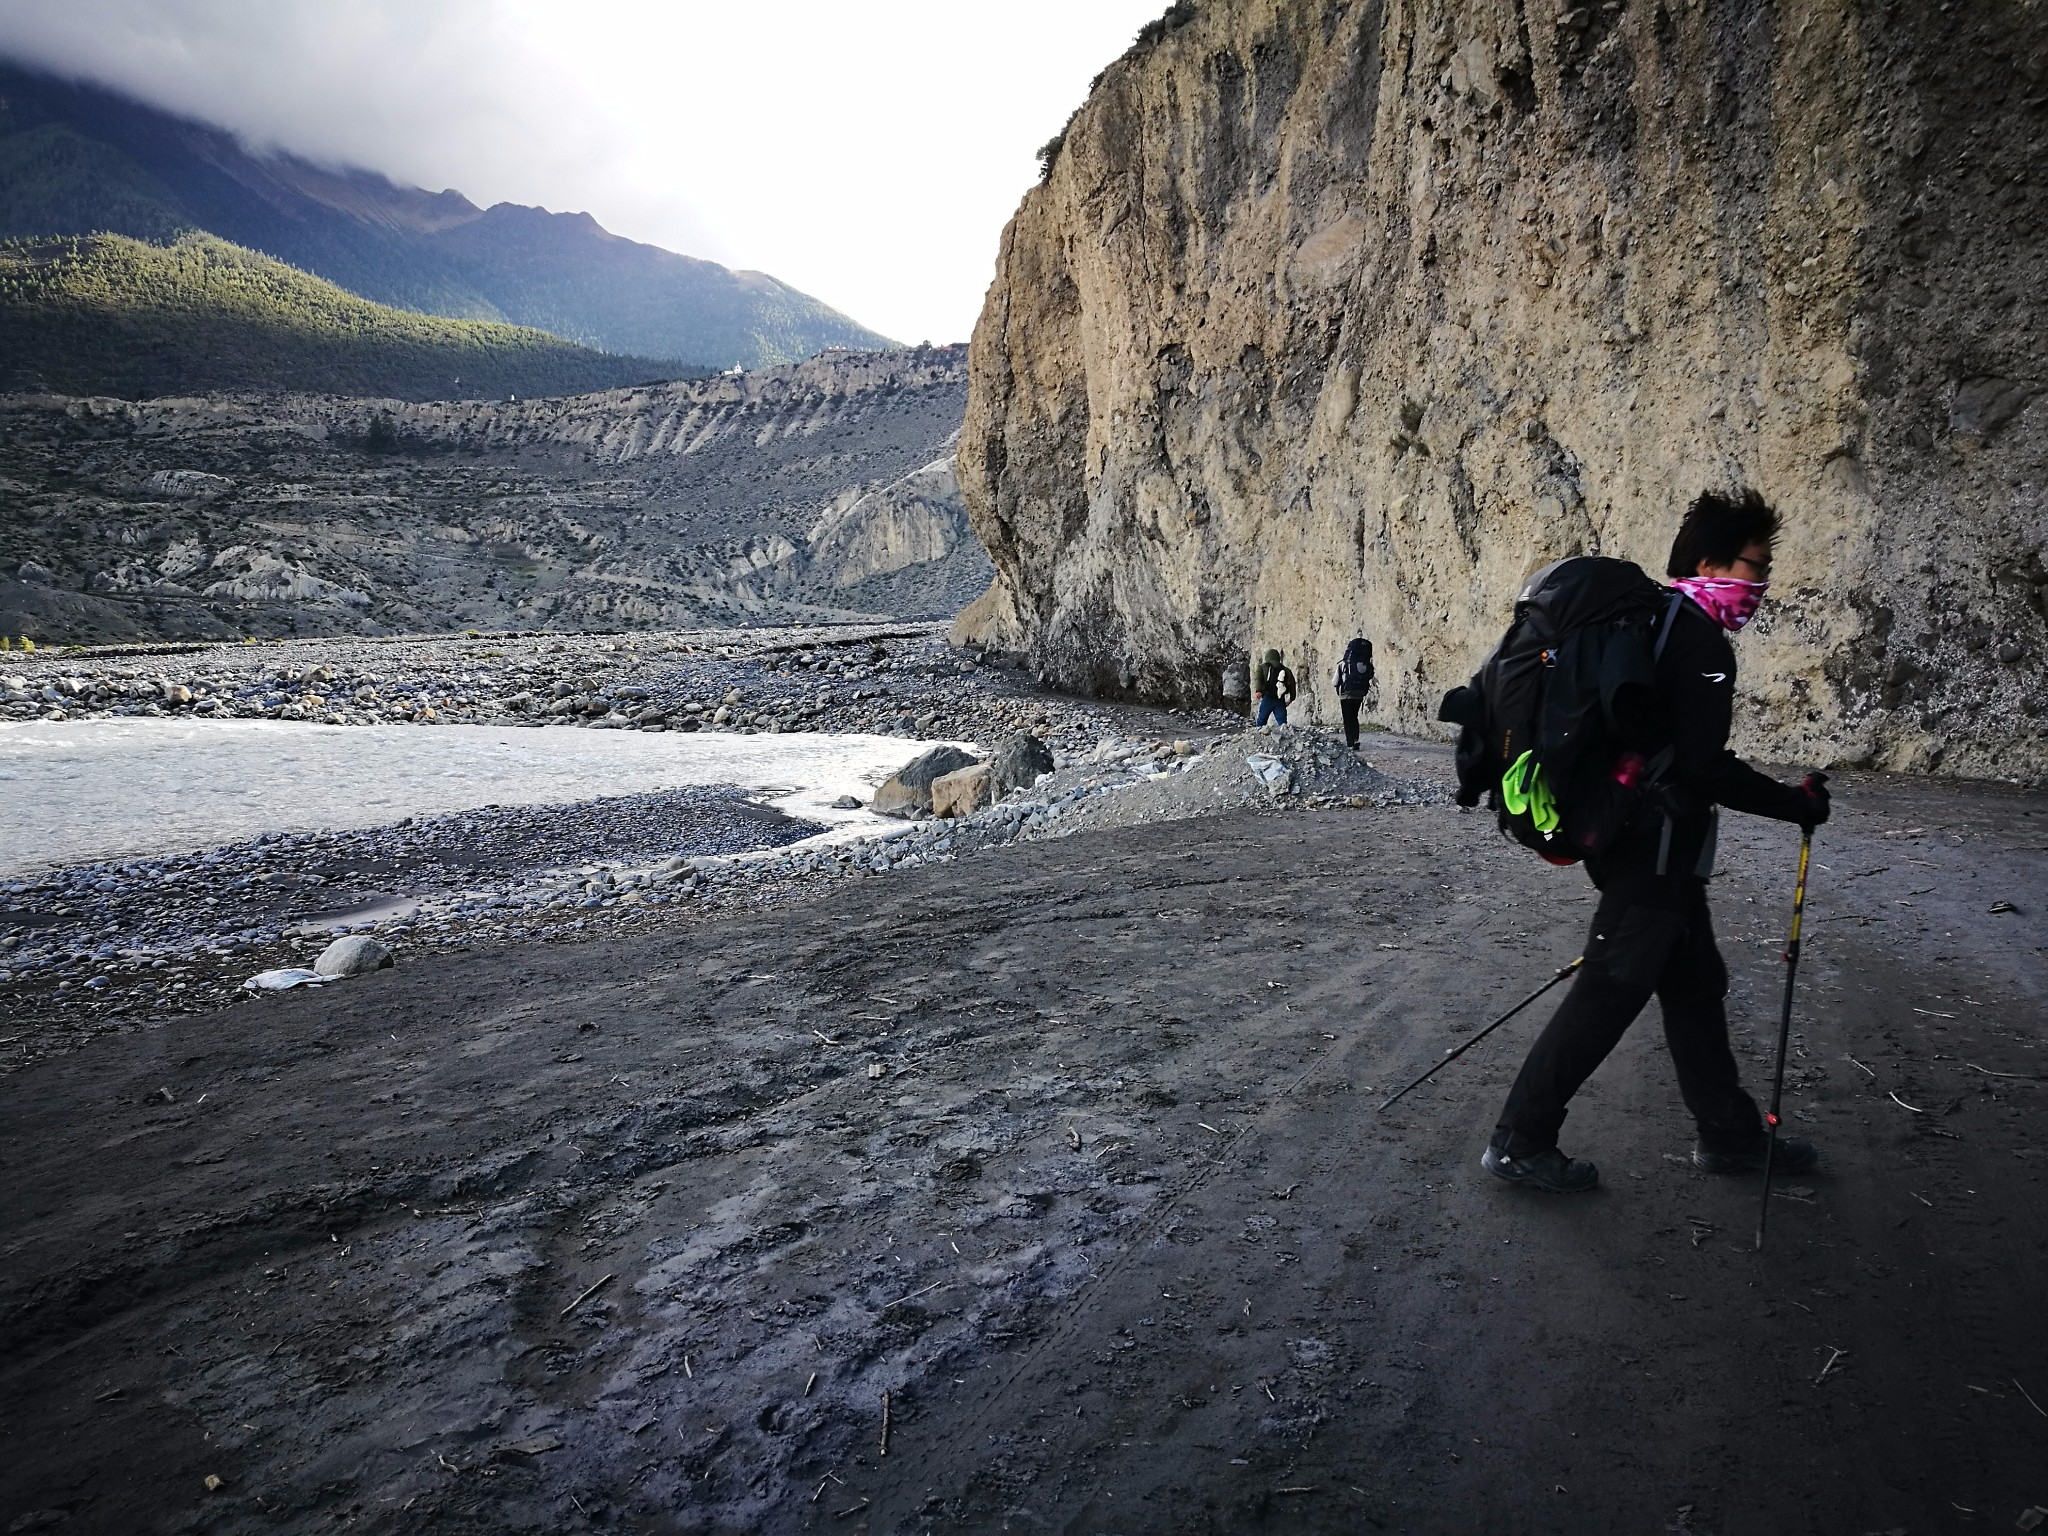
(285, 980)
(1273, 772)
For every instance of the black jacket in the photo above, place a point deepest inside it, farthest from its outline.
(1696, 693)
(1277, 680)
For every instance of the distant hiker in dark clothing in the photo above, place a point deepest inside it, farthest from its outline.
(1651, 933)
(1276, 690)
(1353, 682)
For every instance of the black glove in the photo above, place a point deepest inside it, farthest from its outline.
(1815, 787)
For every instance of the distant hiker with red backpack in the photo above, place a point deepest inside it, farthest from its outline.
(1599, 728)
(1353, 682)
(1275, 691)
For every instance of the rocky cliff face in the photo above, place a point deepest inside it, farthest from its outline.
(900, 525)
(1340, 317)
(817, 491)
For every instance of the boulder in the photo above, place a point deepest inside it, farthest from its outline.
(963, 791)
(910, 791)
(352, 955)
(1018, 762)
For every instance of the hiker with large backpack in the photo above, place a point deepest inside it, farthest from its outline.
(1599, 731)
(1353, 682)
(1275, 691)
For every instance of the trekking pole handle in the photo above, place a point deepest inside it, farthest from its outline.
(1799, 897)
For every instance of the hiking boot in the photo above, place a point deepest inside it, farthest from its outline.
(1548, 1169)
(1792, 1156)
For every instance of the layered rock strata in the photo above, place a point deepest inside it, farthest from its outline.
(1341, 317)
(823, 490)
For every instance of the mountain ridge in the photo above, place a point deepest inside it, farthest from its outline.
(106, 314)
(79, 159)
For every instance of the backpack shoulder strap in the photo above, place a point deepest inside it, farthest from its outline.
(1660, 765)
(1664, 629)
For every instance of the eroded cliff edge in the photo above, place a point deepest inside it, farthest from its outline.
(1340, 317)
(820, 491)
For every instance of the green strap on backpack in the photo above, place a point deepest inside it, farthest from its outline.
(1524, 793)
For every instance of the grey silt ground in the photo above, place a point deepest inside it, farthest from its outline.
(1070, 1148)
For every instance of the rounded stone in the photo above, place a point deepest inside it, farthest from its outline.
(353, 955)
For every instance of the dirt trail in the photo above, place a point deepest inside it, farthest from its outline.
(1072, 1150)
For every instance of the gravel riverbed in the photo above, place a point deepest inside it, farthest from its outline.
(891, 680)
(1059, 1167)
(112, 945)
(115, 943)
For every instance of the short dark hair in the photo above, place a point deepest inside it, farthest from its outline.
(1717, 528)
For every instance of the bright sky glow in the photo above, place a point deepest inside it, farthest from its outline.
(865, 151)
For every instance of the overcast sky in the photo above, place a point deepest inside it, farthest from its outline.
(865, 151)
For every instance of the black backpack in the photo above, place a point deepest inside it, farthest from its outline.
(1354, 672)
(1559, 726)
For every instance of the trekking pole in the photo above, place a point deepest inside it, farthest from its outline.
(1784, 1030)
(1452, 1055)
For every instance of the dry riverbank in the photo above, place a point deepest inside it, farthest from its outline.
(558, 809)
(1069, 1148)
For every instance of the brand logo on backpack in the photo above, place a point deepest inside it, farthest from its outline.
(1559, 728)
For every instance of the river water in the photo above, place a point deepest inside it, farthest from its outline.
(75, 791)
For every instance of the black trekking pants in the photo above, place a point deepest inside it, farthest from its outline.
(1650, 934)
(1350, 709)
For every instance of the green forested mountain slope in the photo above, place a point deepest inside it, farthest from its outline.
(56, 181)
(110, 315)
